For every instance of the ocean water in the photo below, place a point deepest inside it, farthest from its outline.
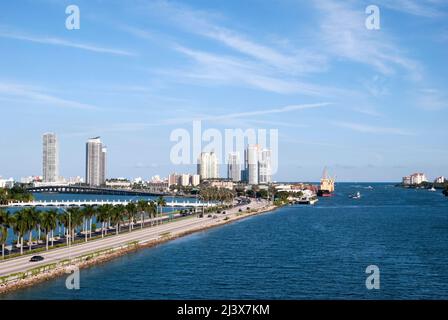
(297, 252)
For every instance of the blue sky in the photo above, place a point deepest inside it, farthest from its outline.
(136, 70)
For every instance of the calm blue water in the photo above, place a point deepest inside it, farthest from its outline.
(318, 252)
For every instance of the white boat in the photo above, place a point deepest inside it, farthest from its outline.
(432, 189)
(357, 195)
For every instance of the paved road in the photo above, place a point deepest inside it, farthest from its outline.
(23, 264)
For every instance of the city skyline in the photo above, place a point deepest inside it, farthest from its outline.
(371, 105)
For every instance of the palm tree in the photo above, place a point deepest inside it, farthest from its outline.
(117, 217)
(160, 203)
(20, 227)
(32, 222)
(152, 208)
(103, 217)
(142, 206)
(6, 221)
(76, 218)
(53, 223)
(46, 225)
(88, 212)
(63, 219)
(131, 210)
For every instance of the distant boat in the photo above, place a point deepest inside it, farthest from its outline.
(326, 188)
(432, 189)
(357, 195)
(369, 187)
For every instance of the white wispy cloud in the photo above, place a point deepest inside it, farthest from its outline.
(422, 8)
(199, 22)
(220, 69)
(431, 99)
(222, 119)
(296, 61)
(37, 95)
(64, 43)
(343, 34)
(372, 129)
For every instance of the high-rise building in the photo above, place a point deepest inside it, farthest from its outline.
(264, 167)
(234, 167)
(208, 165)
(95, 162)
(257, 165)
(251, 155)
(50, 159)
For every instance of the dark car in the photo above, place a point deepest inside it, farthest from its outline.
(36, 258)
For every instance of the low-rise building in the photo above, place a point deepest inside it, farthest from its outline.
(221, 183)
(440, 180)
(406, 180)
(195, 180)
(418, 178)
(7, 183)
(119, 183)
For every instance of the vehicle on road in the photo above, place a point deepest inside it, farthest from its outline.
(36, 258)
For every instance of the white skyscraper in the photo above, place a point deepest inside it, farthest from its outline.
(251, 155)
(257, 165)
(95, 162)
(265, 167)
(208, 165)
(50, 159)
(234, 167)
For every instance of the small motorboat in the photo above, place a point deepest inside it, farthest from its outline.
(357, 195)
(432, 189)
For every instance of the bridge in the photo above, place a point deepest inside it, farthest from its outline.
(94, 190)
(83, 203)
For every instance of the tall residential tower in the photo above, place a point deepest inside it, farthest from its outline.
(50, 158)
(234, 167)
(95, 162)
(208, 165)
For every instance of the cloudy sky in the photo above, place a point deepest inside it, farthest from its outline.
(137, 70)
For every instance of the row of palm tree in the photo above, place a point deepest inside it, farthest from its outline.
(216, 194)
(28, 220)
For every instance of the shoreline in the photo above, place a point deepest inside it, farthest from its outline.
(51, 271)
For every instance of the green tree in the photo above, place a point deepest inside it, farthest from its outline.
(46, 225)
(142, 207)
(6, 221)
(117, 217)
(89, 212)
(160, 203)
(131, 211)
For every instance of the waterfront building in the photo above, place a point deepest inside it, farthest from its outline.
(418, 178)
(95, 162)
(208, 166)
(50, 158)
(406, 181)
(7, 183)
(440, 180)
(234, 167)
(119, 183)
